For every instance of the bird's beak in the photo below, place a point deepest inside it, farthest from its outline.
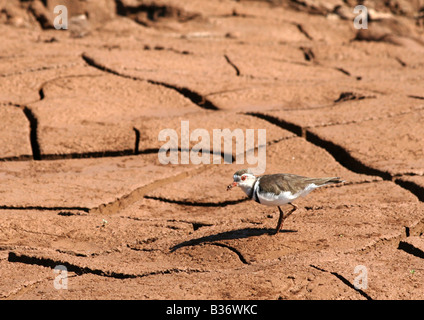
(230, 186)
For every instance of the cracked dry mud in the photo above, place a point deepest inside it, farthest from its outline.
(81, 184)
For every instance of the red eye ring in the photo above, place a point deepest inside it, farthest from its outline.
(243, 178)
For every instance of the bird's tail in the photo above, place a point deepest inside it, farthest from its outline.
(324, 181)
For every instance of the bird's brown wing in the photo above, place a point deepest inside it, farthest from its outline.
(281, 182)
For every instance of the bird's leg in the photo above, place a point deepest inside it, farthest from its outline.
(291, 211)
(280, 221)
(282, 217)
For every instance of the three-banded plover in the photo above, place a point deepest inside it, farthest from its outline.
(278, 189)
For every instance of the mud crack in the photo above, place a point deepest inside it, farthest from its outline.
(195, 225)
(190, 94)
(232, 65)
(411, 249)
(416, 97)
(344, 280)
(303, 31)
(412, 187)
(147, 13)
(308, 54)
(341, 155)
(401, 62)
(42, 68)
(33, 137)
(79, 270)
(42, 208)
(139, 193)
(346, 96)
(347, 73)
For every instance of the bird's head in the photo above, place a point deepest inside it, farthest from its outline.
(244, 179)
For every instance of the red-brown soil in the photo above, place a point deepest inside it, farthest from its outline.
(81, 184)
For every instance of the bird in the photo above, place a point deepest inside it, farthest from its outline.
(278, 189)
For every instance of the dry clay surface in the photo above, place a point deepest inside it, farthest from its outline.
(81, 184)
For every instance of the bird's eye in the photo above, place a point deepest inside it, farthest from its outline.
(243, 178)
